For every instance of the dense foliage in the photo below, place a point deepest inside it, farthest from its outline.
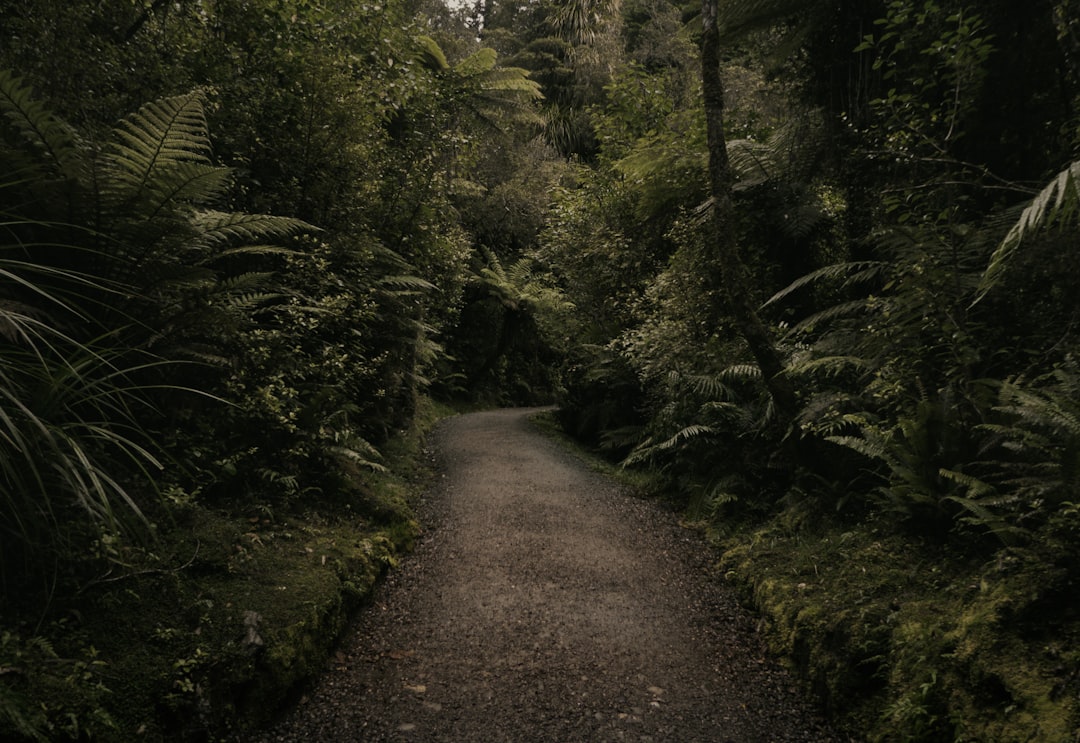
(830, 285)
(169, 348)
(902, 215)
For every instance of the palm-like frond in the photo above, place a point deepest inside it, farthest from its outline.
(494, 95)
(739, 372)
(519, 287)
(853, 308)
(580, 21)
(432, 55)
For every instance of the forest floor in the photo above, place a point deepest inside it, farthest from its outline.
(544, 603)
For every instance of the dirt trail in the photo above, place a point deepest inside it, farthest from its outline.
(545, 605)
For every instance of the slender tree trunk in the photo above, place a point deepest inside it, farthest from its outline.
(734, 275)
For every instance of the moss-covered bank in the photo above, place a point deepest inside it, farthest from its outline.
(904, 641)
(206, 631)
(902, 638)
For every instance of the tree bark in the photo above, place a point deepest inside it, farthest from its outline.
(734, 276)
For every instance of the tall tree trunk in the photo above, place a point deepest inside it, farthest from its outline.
(734, 276)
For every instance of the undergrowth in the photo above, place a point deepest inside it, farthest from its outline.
(205, 632)
(902, 640)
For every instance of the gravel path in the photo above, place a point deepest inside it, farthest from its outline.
(543, 605)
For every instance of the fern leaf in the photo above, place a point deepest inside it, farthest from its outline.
(975, 487)
(431, 54)
(182, 185)
(688, 432)
(159, 135)
(407, 283)
(844, 309)
(255, 250)
(46, 133)
(1057, 202)
(357, 457)
(221, 228)
(831, 366)
(245, 281)
(850, 273)
(752, 162)
(477, 63)
(738, 372)
(710, 386)
(870, 449)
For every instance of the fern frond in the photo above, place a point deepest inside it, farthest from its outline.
(358, 458)
(498, 94)
(710, 386)
(871, 449)
(161, 134)
(648, 448)
(216, 229)
(431, 54)
(477, 63)
(975, 487)
(407, 283)
(49, 136)
(687, 432)
(1039, 411)
(844, 309)
(254, 250)
(830, 366)
(753, 162)
(511, 79)
(854, 272)
(182, 184)
(739, 372)
(981, 514)
(1058, 202)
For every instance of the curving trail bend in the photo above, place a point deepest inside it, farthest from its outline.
(544, 605)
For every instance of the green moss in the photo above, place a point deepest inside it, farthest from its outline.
(206, 632)
(903, 642)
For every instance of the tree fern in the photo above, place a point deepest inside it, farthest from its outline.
(493, 95)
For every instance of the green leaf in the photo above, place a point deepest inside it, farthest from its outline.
(1057, 203)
